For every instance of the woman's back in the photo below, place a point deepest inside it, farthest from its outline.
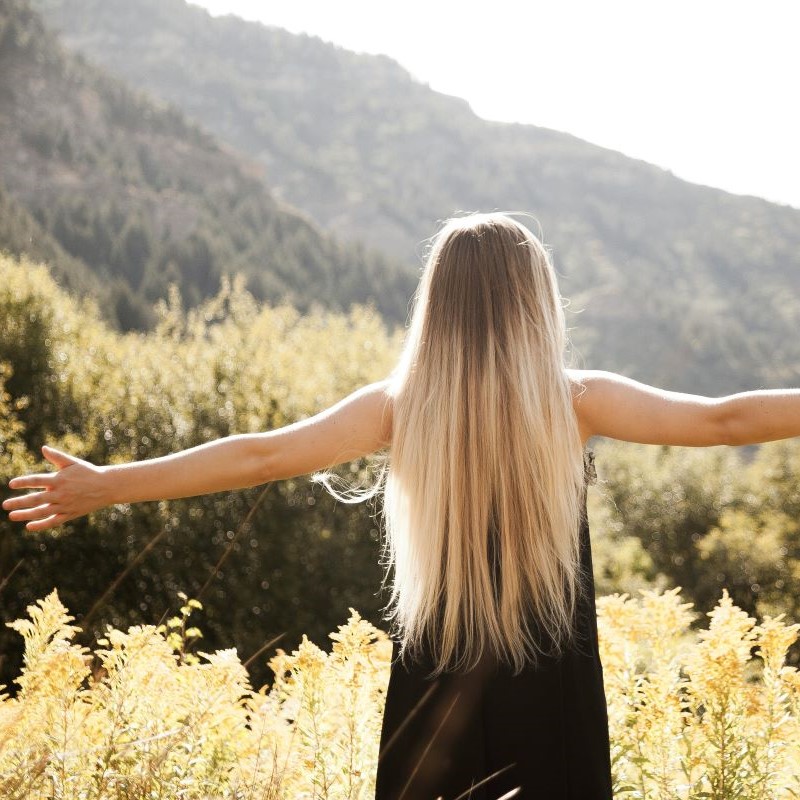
(496, 666)
(544, 730)
(483, 492)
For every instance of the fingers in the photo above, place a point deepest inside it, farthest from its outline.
(43, 481)
(38, 509)
(26, 500)
(48, 522)
(58, 458)
(37, 512)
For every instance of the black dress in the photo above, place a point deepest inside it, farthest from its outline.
(544, 730)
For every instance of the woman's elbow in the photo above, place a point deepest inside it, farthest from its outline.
(730, 426)
(260, 461)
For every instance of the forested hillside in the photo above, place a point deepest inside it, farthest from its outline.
(21, 234)
(139, 198)
(677, 284)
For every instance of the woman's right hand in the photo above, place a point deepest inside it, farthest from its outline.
(75, 489)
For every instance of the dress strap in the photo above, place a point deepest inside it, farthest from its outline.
(589, 469)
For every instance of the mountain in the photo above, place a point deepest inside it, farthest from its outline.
(675, 283)
(139, 197)
(21, 234)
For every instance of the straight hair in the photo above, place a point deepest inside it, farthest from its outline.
(484, 489)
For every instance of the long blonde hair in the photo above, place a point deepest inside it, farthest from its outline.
(483, 493)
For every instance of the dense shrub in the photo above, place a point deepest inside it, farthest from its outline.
(296, 560)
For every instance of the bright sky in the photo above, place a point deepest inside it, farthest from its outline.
(705, 88)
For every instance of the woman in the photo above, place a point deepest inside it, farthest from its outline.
(496, 682)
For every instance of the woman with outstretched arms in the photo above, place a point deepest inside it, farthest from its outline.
(496, 678)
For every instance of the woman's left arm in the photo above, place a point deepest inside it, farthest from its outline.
(358, 425)
(611, 405)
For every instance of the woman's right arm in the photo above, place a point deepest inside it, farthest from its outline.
(611, 405)
(356, 426)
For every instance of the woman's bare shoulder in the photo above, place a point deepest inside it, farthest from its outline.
(383, 397)
(586, 383)
(578, 379)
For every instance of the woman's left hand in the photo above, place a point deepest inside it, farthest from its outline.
(77, 488)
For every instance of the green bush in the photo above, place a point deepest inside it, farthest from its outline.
(295, 561)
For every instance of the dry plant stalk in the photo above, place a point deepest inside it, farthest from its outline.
(710, 715)
(713, 715)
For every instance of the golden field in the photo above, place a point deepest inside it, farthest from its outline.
(708, 714)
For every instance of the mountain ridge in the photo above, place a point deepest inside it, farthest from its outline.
(143, 197)
(678, 284)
